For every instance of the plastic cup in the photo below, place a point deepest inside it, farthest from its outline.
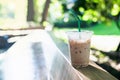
(79, 45)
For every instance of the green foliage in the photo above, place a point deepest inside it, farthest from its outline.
(55, 10)
(99, 29)
(38, 8)
(96, 10)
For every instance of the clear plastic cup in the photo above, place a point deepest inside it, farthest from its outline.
(79, 45)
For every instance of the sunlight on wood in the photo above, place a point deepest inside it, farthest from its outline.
(36, 57)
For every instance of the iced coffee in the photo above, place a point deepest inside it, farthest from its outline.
(79, 45)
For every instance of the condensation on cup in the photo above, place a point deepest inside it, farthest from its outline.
(79, 45)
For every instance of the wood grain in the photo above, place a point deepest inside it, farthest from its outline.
(36, 57)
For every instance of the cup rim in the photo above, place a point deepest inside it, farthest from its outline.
(88, 31)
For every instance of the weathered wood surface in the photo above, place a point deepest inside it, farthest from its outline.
(36, 57)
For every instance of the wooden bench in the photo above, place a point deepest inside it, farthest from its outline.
(36, 57)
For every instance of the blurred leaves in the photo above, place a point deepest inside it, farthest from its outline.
(96, 10)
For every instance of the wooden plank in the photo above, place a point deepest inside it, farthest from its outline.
(36, 57)
(91, 72)
(94, 72)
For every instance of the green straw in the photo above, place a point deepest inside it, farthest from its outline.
(77, 18)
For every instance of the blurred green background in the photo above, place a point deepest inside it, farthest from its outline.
(100, 16)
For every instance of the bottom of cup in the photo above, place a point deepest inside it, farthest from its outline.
(80, 65)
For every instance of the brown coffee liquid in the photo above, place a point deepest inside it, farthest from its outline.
(80, 51)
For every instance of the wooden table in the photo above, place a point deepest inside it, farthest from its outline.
(36, 57)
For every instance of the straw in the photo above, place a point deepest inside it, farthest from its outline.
(77, 18)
